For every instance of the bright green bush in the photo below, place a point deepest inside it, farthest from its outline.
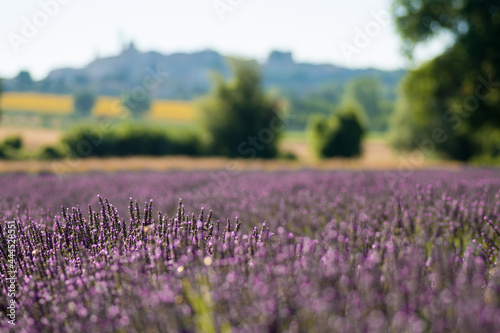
(339, 135)
(50, 153)
(12, 148)
(13, 142)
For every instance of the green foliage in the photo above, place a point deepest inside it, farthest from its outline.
(287, 156)
(424, 119)
(83, 102)
(137, 103)
(457, 93)
(339, 135)
(12, 148)
(127, 139)
(13, 142)
(51, 153)
(202, 305)
(317, 102)
(237, 112)
(367, 93)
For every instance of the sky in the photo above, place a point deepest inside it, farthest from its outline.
(41, 35)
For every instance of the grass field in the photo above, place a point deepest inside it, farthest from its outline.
(376, 155)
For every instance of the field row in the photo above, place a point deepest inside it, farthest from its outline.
(281, 252)
(105, 106)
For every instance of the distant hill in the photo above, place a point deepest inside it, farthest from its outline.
(184, 76)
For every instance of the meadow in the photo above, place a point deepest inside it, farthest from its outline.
(304, 251)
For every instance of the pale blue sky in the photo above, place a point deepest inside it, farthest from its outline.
(314, 30)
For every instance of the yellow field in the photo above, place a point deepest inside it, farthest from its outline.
(172, 110)
(43, 103)
(107, 107)
(176, 111)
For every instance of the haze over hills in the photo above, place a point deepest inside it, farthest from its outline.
(184, 76)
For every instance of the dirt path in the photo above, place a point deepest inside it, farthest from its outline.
(33, 138)
(190, 163)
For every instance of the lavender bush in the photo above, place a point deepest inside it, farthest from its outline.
(298, 252)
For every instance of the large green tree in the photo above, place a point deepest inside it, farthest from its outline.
(451, 104)
(239, 118)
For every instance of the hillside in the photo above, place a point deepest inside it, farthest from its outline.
(184, 76)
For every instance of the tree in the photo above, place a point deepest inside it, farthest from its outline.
(137, 103)
(340, 134)
(367, 92)
(451, 104)
(23, 81)
(424, 119)
(83, 102)
(240, 120)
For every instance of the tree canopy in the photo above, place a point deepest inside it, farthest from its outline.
(239, 119)
(457, 93)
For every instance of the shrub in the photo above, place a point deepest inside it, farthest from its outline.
(13, 142)
(50, 153)
(287, 156)
(127, 139)
(338, 135)
(11, 148)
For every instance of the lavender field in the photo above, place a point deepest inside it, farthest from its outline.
(304, 251)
